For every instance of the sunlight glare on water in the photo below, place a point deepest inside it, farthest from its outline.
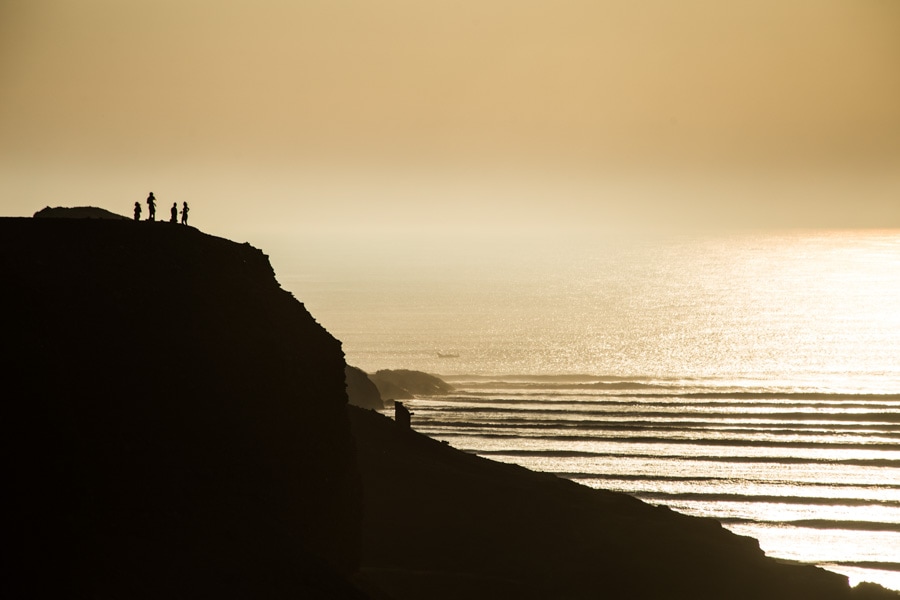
(752, 378)
(817, 310)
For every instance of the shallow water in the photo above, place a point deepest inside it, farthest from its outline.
(754, 378)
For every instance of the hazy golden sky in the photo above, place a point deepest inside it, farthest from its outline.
(283, 114)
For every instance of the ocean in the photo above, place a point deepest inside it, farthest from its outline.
(752, 377)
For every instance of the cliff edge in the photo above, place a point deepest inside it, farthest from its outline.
(175, 425)
(174, 422)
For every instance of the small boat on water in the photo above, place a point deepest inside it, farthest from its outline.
(442, 355)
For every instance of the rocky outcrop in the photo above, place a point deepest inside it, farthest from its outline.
(360, 389)
(76, 212)
(402, 384)
(174, 422)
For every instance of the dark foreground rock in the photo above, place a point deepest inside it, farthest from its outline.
(77, 212)
(175, 426)
(174, 423)
(403, 384)
(440, 523)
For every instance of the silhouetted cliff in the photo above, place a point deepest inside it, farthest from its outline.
(174, 422)
(175, 426)
(77, 212)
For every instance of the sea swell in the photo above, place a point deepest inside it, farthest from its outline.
(783, 465)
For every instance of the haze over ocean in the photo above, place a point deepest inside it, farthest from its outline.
(800, 310)
(486, 178)
(753, 377)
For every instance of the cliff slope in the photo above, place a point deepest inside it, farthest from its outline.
(443, 524)
(174, 422)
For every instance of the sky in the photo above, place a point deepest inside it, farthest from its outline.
(395, 118)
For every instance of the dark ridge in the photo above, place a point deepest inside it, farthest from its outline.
(782, 395)
(506, 378)
(699, 435)
(766, 498)
(892, 417)
(641, 477)
(826, 524)
(403, 384)
(77, 212)
(594, 385)
(675, 393)
(676, 402)
(638, 477)
(739, 443)
(175, 426)
(881, 566)
(789, 460)
(425, 420)
(521, 427)
(175, 422)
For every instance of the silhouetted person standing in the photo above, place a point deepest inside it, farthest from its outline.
(137, 211)
(174, 213)
(151, 207)
(402, 416)
(184, 213)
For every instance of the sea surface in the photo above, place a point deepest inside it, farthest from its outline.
(753, 377)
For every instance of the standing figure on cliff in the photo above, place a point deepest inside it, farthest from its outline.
(137, 211)
(151, 207)
(402, 416)
(184, 213)
(173, 218)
